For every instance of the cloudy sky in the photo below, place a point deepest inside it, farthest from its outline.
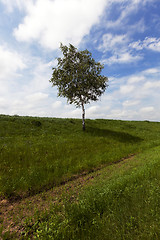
(124, 35)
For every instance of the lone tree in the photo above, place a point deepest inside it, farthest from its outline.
(78, 77)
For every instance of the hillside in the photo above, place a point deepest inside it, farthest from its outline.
(119, 159)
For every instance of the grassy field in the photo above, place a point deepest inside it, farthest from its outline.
(38, 154)
(125, 204)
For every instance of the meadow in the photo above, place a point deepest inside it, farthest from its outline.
(120, 204)
(38, 154)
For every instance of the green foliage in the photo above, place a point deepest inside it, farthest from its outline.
(124, 207)
(39, 153)
(120, 204)
(78, 76)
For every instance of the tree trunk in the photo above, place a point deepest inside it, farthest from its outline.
(83, 117)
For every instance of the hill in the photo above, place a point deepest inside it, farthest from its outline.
(40, 154)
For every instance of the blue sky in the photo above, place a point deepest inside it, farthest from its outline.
(124, 35)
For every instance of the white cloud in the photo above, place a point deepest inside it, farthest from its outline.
(93, 112)
(126, 89)
(136, 45)
(122, 57)
(129, 103)
(57, 105)
(21, 93)
(112, 42)
(119, 48)
(36, 97)
(51, 22)
(11, 66)
(10, 62)
(126, 9)
(137, 87)
(152, 85)
(136, 79)
(151, 71)
(131, 99)
(73, 113)
(37, 79)
(2, 103)
(122, 50)
(152, 44)
(118, 114)
(147, 109)
(136, 97)
(20, 4)
(48, 22)
(148, 43)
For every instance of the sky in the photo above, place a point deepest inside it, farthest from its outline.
(124, 35)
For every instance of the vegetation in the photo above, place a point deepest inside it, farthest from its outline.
(78, 77)
(38, 153)
(120, 202)
(125, 206)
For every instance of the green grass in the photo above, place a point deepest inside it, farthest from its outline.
(123, 201)
(39, 153)
(124, 206)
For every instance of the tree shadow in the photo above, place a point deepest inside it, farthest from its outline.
(119, 136)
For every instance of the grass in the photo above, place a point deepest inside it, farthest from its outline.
(122, 199)
(124, 205)
(39, 153)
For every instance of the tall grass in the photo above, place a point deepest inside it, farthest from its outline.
(38, 153)
(124, 207)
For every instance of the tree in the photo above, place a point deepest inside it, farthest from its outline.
(78, 77)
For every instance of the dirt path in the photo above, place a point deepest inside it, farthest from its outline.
(14, 213)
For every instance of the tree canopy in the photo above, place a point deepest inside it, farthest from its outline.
(78, 77)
